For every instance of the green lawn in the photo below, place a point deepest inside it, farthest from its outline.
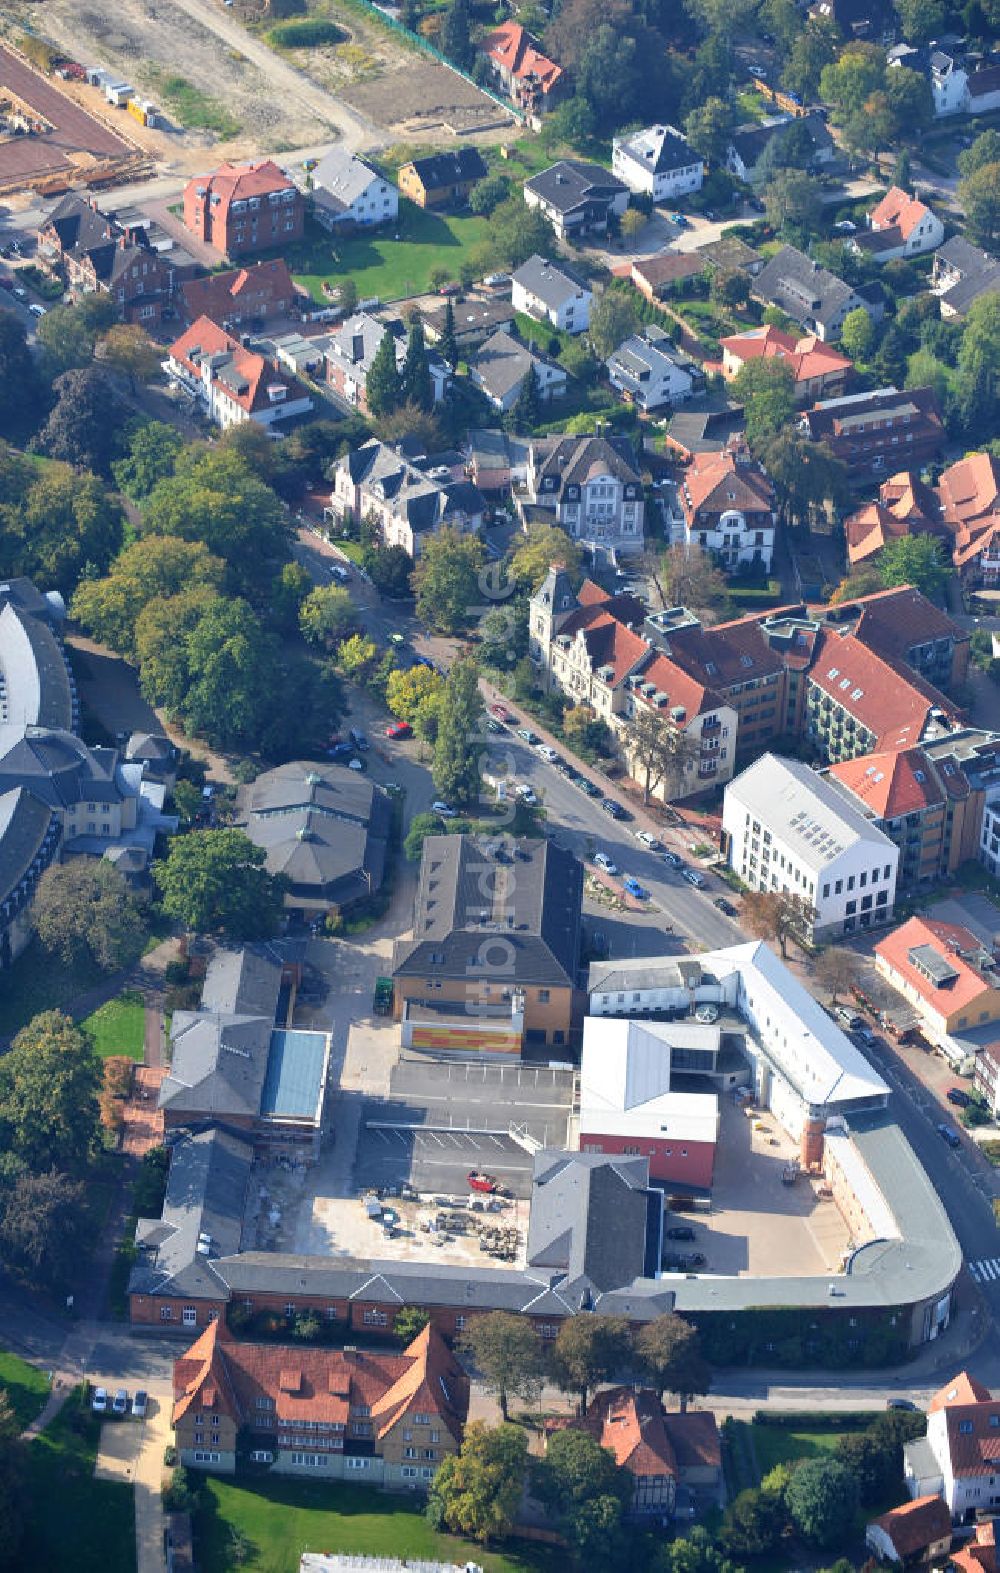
(73, 1520)
(118, 1027)
(279, 1519)
(380, 264)
(38, 981)
(776, 1445)
(25, 1386)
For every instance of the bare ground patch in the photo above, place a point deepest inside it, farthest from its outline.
(426, 99)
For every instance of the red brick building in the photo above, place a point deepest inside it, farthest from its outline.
(244, 208)
(244, 295)
(98, 255)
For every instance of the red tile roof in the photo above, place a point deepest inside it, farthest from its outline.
(970, 490)
(890, 784)
(247, 375)
(611, 643)
(217, 295)
(979, 1555)
(964, 1389)
(681, 690)
(963, 990)
(806, 358)
(236, 182)
(666, 267)
(591, 594)
(695, 1439)
(916, 1525)
(900, 211)
(715, 482)
(513, 48)
(893, 705)
(630, 1423)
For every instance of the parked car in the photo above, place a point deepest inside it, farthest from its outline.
(500, 713)
(900, 1403)
(590, 787)
(950, 1135)
(444, 810)
(725, 907)
(612, 808)
(140, 1403)
(693, 877)
(494, 280)
(399, 729)
(565, 769)
(357, 764)
(99, 1401)
(681, 1231)
(526, 734)
(546, 752)
(673, 860)
(342, 574)
(848, 1018)
(958, 1096)
(635, 889)
(679, 220)
(492, 726)
(358, 738)
(526, 794)
(36, 310)
(648, 840)
(607, 864)
(866, 1035)
(338, 749)
(120, 1405)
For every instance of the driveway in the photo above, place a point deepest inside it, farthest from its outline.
(132, 1451)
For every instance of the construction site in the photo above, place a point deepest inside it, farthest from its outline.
(49, 141)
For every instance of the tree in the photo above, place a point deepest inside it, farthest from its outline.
(19, 389)
(85, 908)
(62, 523)
(409, 1322)
(487, 194)
(815, 47)
(456, 39)
(916, 560)
(288, 591)
(607, 75)
(447, 344)
(477, 1491)
(347, 296)
(805, 475)
(793, 204)
(408, 694)
(517, 232)
(416, 379)
(708, 128)
(154, 568)
(661, 751)
(776, 915)
(822, 1500)
(508, 1354)
(755, 1522)
(81, 426)
(328, 616)
(921, 20)
(456, 770)
(613, 319)
(48, 1095)
(902, 174)
(44, 1228)
(129, 350)
(214, 881)
(984, 150)
(356, 655)
(730, 289)
(587, 1492)
(633, 221)
(872, 1464)
(66, 340)
(910, 101)
(850, 80)
(535, 552)
(589, 1349)
(858, 334)
(525, 415)
(446, 580)
(835, 970)
(212, 497)
(383, 388)
(389, 569)
(979, 195)
(766, 389)
(670, 1350)
(688, 577)
(152, 453)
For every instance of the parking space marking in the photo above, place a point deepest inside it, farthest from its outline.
(985, 1270)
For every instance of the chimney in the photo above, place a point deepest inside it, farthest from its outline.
(812, 1143)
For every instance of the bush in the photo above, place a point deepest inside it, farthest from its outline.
(177, 972)
(180, 1496)
(307, 34)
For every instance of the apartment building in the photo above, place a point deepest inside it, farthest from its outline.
(818, 371)
(904, 795)
(409, 500)
(949, 977)
(786, 829)
(243, 208)
(859, 702)
(234, 384)
(875, 434)
(727, 504)
(591, 487)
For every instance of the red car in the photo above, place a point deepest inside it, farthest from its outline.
(500, 714)
(399, 729)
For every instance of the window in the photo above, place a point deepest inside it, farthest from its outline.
(408, 1472)
(166, 1313)
(376, 1319)
(207, 1458)
(357, 1463)
(459, 1323)
(260, 1455)
(411, 1452)
(543, 996)
(289, 1308)
(189, 1316)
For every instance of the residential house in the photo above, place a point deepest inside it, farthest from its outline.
(442, 180)
(729, 254)
(956, 1460)
(551, 292)
(727, 508)
(348, 353)
(452, 987)
(859, 702)
(577, 198)
(785, 828)
(501, 365)
(660, 1451)
(869, 20)
(631, 1100)
(475, 321)
(810, 294)
(905, 506)
(818, 370)
(332, 1414)
(877, 433)
(233, 383)
(905, 794)
(969, 499)
(243, 208)
(649, 372)
(248, 296)
(706, 427)
(949, 977)
(591, 487)
(495, 461)
(658, 162)
(408, 501)
(745, 156)
(324, 829)
(919, 1531)
(899, 226)
(655, 277)
(347, 193)
(532, 81)
(963, 274)
(101, 255)
(984, 88)
(979, 1553)
(942, 63)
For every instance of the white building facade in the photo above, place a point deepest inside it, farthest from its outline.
(551, 293)
(658, 162)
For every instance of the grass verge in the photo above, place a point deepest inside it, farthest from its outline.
(74, 1520)
(383, 265)
(279, 1519)
(118, 1026)
(25, 1386)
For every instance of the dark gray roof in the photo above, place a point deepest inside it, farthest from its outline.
(242, 982)
(79, 226)
(568, 461)
(205, 1196)
(323, 827)
(416, 496)
(218, 1064)
(658, 149)
(464, 896)
(471, 316)
(803, 289)
(750, 142)
(450, 169)
(59, 768)
(501, 364)
(588, 1217)
(980, 272)
(551, 282)
(570, 184)
(35, 685)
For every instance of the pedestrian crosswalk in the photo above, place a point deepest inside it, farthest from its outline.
(986, 1270)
